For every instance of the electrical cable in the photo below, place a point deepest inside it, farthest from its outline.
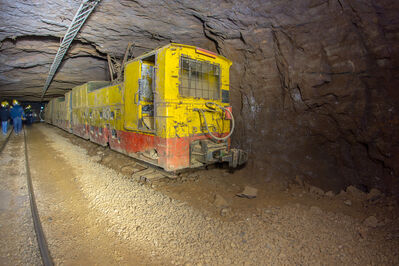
(209, 105)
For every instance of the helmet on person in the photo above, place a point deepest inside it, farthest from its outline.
(15, 102)
(4, 104)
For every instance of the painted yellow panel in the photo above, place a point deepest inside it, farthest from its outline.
(175, 114)
(79, 104)
(132, 75)
(182, 119)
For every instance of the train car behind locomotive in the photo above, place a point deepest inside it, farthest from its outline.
(171, 110)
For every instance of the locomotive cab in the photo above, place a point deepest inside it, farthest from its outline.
(139, 95)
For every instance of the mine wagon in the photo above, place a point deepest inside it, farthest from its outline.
(80, 119)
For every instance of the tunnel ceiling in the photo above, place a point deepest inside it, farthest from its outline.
(31, 32)
(314, 84)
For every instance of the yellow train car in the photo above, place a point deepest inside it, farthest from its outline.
(80, 120)
(172, 109)
(68, 112)
(48, 112)
(59, 112)
(104, 107)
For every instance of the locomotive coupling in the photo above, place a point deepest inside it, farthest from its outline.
(208, 152)
(236, 157)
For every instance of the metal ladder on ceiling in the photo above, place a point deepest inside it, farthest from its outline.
(84, 11)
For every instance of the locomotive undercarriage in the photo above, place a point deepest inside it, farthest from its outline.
(208, 152)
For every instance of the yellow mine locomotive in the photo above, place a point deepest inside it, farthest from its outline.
(171, 110)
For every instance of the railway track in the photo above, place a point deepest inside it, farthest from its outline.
(41, 240)
(3, 145)
(151, 172)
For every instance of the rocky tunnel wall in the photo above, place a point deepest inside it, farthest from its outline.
(313, 83)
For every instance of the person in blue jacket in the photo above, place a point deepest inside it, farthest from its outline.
(28, 115)
(16, 114)
(4, 116)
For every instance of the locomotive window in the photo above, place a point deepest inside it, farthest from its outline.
(101, 114)
(145, 83)
(112, 115)
(199, 79)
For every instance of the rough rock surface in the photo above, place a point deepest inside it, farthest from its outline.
(314, 83)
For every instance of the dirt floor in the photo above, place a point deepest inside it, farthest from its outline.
(94, 212)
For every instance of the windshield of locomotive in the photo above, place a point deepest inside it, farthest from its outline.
(199, 79)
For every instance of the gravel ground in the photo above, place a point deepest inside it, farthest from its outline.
(166, 229)
(18, 244)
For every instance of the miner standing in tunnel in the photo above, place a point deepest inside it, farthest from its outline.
(16, 114)
(4, 116)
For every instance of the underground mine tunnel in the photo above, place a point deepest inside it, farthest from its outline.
(199, 132)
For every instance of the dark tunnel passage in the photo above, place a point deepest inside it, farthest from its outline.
(313, 87)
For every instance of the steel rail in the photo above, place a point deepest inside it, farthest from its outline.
(41, 239)
(5, 142)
